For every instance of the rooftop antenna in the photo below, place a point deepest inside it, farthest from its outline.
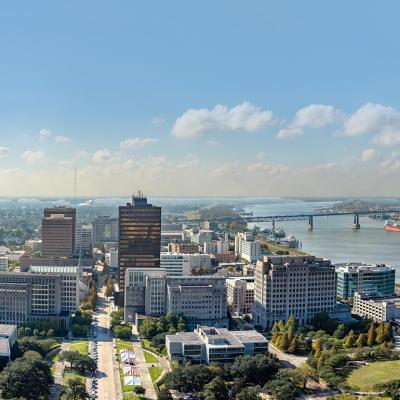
(75, 185)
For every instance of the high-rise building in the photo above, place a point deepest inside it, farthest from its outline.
(292, 285)
(58, 232)
(247, 247)
(83, 237)
(67, 212)
(139, 241)
(105, 229)
(368, 280)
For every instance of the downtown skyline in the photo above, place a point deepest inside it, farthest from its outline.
(275, 99)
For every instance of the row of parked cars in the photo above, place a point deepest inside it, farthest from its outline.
(95, 356)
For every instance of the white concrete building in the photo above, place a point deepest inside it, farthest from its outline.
(247, 247)
(222, 246)
(83, 240)
(111, 259)
(3, 264)
(240, 293)
(70, 284)
(8, 336)
(292, 285)
(377, 309)
(214, 345)
(176, 264)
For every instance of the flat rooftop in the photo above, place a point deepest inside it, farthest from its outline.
(7, 330)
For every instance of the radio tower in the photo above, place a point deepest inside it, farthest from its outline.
(75, 186)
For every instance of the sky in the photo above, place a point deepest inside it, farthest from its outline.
(210, 98)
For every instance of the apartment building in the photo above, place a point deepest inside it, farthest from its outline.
(208, 345)
(368, 280)
(292, 285)
(240, 293)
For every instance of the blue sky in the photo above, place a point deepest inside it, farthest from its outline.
(107, 87)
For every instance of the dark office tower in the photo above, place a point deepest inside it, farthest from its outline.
(139, 238)
(58, 232)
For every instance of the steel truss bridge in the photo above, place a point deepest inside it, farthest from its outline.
(375, 209)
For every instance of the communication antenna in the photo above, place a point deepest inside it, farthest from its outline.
(75, 185)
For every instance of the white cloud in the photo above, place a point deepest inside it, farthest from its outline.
(212, 143)
(289, 133)
(158, 120)
(265, 169)
(131, 143)
(382, 121)
(102, 156)
(368, 154)
(81, 153)
(62, 139)
(44, 134)
(313, 116)
(189, 160)
(225, 169)
(4, 151)
(197, 122)
(33, 156)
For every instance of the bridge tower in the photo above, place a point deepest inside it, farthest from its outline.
(356, 223)
(310, 223)
(273, 224)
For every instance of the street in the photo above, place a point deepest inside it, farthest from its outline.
(108, 375)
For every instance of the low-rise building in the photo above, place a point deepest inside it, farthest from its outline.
(8, 336)
(34, 244)
(214, 345)
(240, 294)
(369, 280)
(183, 248)
(378, 309)
(176, 264)
(3, 263)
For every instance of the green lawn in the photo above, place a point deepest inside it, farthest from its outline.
(155, 373)
(81, 346)
(364, 378)
(69, 375)
(146, 344)
(123, 344)
(131, 396)
(150, 358)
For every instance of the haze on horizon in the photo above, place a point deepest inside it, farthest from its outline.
(227, 98)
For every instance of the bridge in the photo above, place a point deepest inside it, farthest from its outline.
(355, 208)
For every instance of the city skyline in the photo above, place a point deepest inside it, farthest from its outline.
(272, 99)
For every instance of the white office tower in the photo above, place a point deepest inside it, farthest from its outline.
(83, 240)
(247, 247)
(292, 285)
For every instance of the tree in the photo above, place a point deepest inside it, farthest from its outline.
(215, 390)
(361, 340)
(284, 342)
(189, 378)
(123, 332)
(391, 389)
(139, 390)
(350, 340)
(25, 378)
(164, 395)
(294, 346)
(371, 335)
(148, 329)
(33, 355)
(50, 333)
(75, 390)
(256, 369)
(281, 389)
(339, 332)
(380, 333)
(304, 374)
(248, 393)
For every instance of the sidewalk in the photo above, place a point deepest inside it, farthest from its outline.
(56, 387)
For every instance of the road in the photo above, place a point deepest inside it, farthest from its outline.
(107, 374)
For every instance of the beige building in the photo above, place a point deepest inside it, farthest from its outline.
(240, 294)
(292, 285)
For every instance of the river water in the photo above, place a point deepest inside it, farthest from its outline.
(333, 237)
